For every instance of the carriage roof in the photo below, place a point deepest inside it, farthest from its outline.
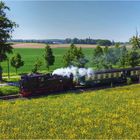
(116, 70)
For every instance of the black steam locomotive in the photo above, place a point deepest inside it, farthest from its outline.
(44, 83)
(36, 84)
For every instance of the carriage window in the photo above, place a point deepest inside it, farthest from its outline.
(120, 74)
(116, 74)
(109, 75)
(112, 75)
(102, 76)
(95, 76)
(92, 78)
(98, 76)
(132, 73)
(138, 72)
(106, 75)
(128, 73)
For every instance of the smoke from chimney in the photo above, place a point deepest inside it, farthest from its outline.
(75, 71)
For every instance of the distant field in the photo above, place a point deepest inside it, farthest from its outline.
(41, 45)
(104, 114)
(29, 55)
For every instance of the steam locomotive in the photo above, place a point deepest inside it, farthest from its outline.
(44, 83)
(36, 84)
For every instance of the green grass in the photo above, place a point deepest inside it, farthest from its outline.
(104, 114)
(14, 78)
(29, 55)
(8, 90)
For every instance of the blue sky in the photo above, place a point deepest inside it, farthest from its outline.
(114, 20)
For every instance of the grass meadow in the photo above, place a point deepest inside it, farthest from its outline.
(29, 56)
(103, 114)
(8, 90)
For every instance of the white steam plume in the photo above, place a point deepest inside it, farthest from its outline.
(75, 71)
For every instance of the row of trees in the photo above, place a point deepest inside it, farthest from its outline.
(119, 56)
(101, 42)
(105, 58)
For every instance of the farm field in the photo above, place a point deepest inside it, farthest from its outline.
(104, 114)
(42, 45)
(29, 56)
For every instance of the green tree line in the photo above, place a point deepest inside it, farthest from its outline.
(101, 42)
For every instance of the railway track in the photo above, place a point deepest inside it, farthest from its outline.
(10, 97)
(18, 96)
(75, 90)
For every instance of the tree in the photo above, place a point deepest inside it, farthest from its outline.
(79, 59)
(6, 28)
(74, 56)
(70, 55)
(106, 49)
(133, 58)
(135, 41)
(105, 58)
(89, 41)
(98, 51)
(75, 41)
(37, 65)
(49, 57)
(116, 53)
(104, 42)
(97, 57)
(117, 45)
(16, 61)
(123, 59)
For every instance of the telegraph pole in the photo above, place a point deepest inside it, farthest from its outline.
(8, 68)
